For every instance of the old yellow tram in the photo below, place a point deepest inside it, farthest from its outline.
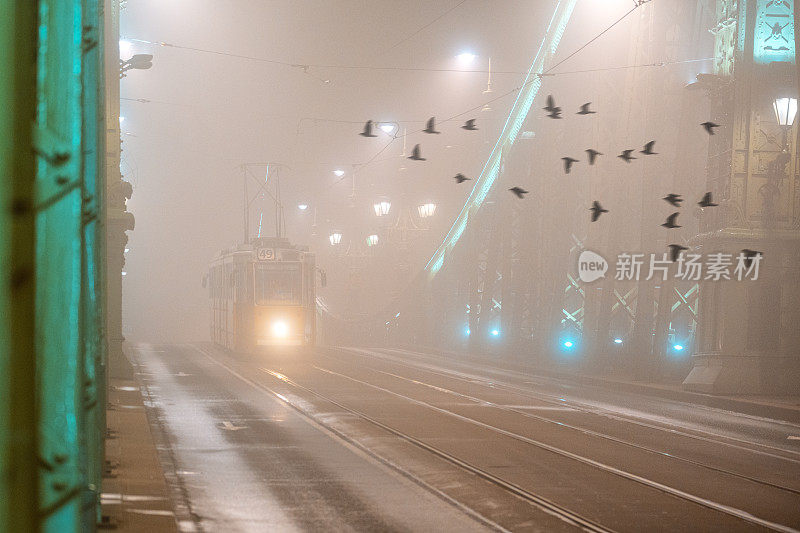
(263, 294)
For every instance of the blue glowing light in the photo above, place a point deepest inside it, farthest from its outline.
(677, 347)
(617, 341)
(466, 332)
(495, 332)
(568, 344)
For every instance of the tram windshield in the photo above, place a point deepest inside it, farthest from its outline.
(277, 283)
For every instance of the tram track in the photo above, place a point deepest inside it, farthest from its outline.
(715, 506)
(481, 401)
(710, 437)
(544, 503)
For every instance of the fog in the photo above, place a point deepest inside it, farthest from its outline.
(238, 85)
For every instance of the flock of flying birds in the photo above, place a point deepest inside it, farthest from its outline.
(554, 112)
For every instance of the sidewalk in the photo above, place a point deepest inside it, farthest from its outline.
(785, 408)
(135, 494)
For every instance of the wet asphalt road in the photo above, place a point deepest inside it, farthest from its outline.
(352, 439)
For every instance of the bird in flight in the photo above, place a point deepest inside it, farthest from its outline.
(470, 125)
(749, 255)
(673, 199)
(706, 201)
(648, 149)
(670, 223)
(709, 126)
(430, 127)
(597, 210)
(675, 251)
(367, 130)
(461, 178)
(585, 109)
(553, 111)
(568, 163)
(592, 155)
(416, 154)
(519, 191)
(626, 156)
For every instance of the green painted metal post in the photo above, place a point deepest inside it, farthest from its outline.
(18, 417)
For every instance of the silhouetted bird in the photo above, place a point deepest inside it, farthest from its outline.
(709, 126)
(585, 109)
(568, 163)
(674, 199)
(648, 149)
(416, 154)
(706, 201)
(430, 127)
(592, 155)
(675, 251)
(553, 111)
(626, 156)
(367, 130)
(461, 178)
(749, 255)
(670, 223)
(551, 104)
(519, 191)
(597, 210)
(470, 125)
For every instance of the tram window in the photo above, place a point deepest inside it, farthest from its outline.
(278, 284)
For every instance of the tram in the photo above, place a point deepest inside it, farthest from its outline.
(263, 294)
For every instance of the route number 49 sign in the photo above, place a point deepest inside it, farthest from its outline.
(266, 254)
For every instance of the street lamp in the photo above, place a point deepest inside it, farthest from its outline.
(785, 110)
(302, 207)
(426, 210)
(335, 238)
(372, 240)
(466, 57)
(339, 173)
(388, 127)
(125, 48)
(382, 208)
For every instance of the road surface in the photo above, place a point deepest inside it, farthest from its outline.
(357, 439)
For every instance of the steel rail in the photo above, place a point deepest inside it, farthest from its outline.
(585, 431)
(544, 504)
(731, 511)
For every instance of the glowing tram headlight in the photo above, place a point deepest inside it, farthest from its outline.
(280, 329)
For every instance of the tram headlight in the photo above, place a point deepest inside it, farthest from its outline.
(280, 329)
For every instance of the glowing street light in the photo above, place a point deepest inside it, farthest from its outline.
(339, 173)
(302, 207)
(382, 208)
(466, 57)
(125, 49)
(372, 240)
(387, 127)
(335, 238)
(785, 110)
(426, 210)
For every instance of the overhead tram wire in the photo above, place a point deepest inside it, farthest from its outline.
(306, 66)
(637, 4)
(426, 26)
